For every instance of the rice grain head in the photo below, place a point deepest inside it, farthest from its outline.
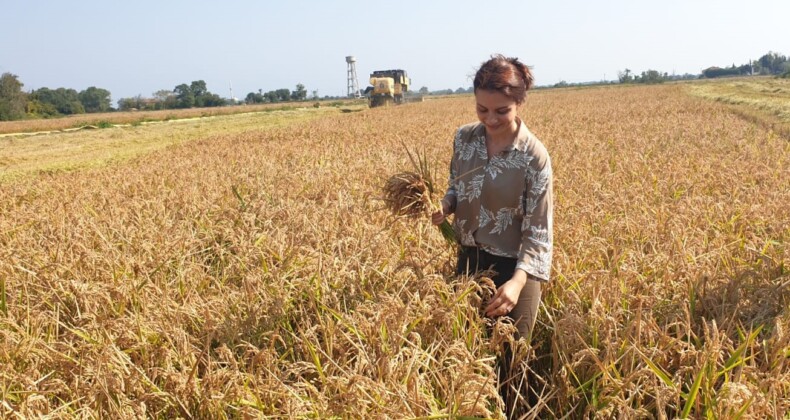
(406, 194)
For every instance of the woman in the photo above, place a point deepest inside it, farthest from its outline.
(500, 191)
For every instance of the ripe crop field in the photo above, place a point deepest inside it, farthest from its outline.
(256, 273)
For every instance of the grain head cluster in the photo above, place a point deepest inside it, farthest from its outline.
(406, 194)
(262, 273)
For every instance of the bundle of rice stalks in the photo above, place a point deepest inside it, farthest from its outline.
(406, 194)
(409, 193)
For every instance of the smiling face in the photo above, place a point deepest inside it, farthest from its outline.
(497, 112)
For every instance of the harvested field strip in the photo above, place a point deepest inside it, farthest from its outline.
(764, 100)
(22, 157)
(105, 124)
(139, 117)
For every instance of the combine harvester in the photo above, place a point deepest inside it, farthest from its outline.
(388, 87)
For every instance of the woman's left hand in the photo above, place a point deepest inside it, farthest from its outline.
(506, 296)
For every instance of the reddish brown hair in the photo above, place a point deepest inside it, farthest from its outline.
(506, 75)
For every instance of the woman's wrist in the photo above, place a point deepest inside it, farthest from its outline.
(520, 276)
(447, 209)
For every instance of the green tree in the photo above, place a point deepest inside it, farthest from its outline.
(199, 91)
(12, 98)
(283, 95)
(137, 103)
(184, 96)
(211, 99)
(270, 96)
(198, 88)
(65, 101)
(771, 63)
(165, 99)
(95, 99)
(126, 104)
(300, 94)
(253, 98)
(625, 76)
(652, 76)
(424, 90)
(712, 72)
(37, 108)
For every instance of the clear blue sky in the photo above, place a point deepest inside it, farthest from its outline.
(139, 47)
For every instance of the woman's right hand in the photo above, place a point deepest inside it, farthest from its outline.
(439, 215)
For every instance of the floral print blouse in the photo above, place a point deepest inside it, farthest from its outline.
(503, 204)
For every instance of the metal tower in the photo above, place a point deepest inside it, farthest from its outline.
(353, 83)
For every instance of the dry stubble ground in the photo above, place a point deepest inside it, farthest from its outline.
(257, 274)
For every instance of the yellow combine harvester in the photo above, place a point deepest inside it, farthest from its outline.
(388, 86)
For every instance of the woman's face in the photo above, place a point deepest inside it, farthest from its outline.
(497, 112)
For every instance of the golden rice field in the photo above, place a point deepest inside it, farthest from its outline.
(257, 273)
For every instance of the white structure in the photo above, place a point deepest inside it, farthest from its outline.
(232, 98)
(353, 83)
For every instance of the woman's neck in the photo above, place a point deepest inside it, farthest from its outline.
(505, 138)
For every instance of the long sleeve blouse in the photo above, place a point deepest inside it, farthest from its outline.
(503, 204)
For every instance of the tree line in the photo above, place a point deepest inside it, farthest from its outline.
(279, 95)
(192, 95)
(652, 76)
(771, 63)
(16, 104)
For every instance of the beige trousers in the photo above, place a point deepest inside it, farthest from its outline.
(471, 260)
(526, 310)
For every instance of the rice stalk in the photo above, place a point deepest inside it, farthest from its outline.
(411, 193)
